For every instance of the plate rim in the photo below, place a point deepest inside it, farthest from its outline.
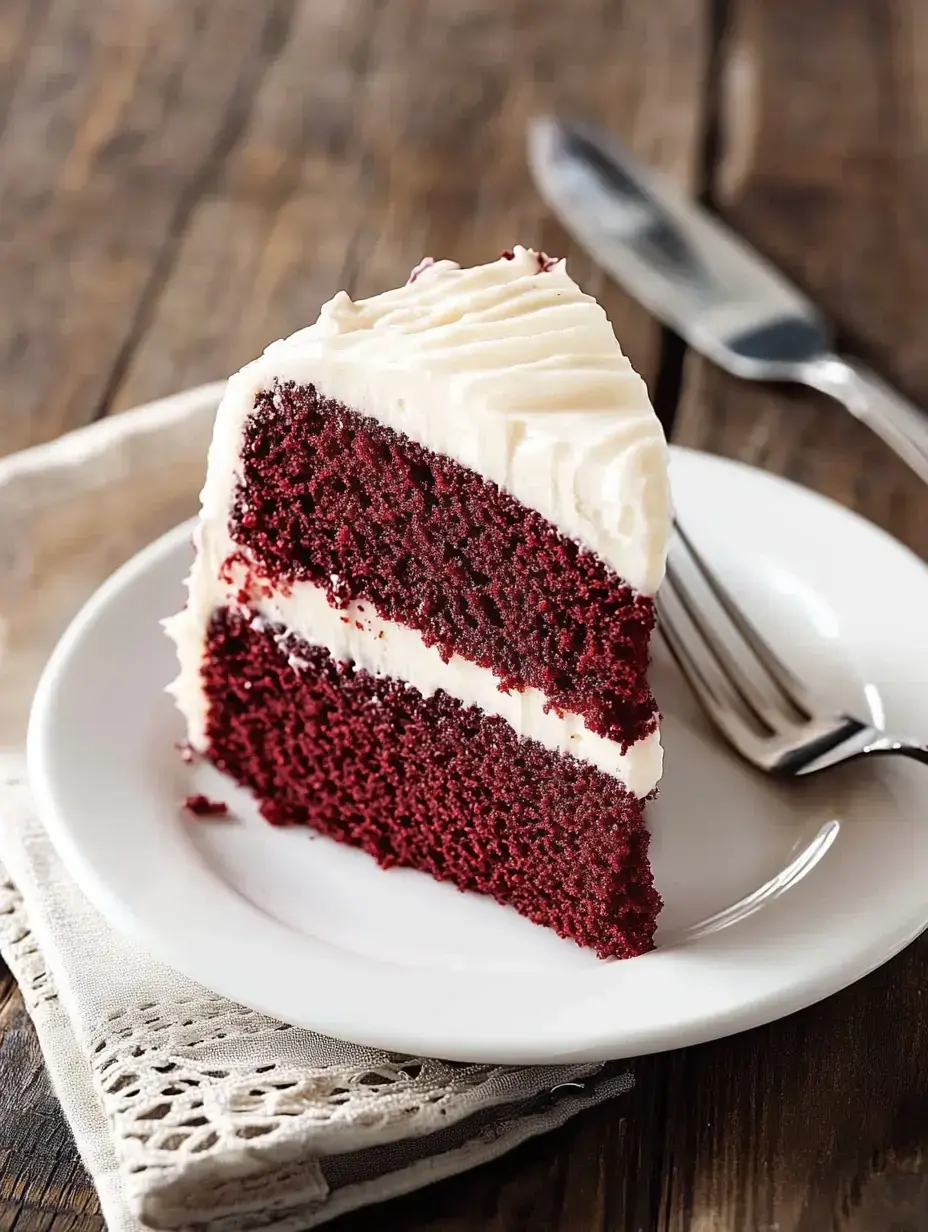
(697, 1027)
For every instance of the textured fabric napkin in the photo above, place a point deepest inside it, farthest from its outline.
(189, 1110)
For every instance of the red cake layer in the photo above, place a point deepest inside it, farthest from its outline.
(333, 497)
(431, 784)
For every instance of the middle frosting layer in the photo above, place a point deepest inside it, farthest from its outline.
(356, 634)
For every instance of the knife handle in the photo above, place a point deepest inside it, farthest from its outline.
(898, 422)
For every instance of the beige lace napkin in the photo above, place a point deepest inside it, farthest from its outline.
(189, 1110)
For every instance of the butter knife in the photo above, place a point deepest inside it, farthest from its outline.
(694, 274)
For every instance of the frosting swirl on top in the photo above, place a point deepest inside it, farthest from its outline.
(509, 369)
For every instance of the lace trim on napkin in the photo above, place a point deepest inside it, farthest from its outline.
(241, 1143)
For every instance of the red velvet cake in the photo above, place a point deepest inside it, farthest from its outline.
(420, 611)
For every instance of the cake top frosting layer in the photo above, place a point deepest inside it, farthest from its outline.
(509, 369)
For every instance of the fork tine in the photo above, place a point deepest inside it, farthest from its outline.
(702, 670)
(713, 689)
(789, 687)
(747, 677)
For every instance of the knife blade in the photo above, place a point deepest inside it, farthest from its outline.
(702, 280)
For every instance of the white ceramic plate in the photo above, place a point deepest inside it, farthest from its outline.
(776, 895)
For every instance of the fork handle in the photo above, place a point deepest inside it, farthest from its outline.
(900, 423)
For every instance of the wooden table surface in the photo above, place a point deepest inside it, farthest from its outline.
(184, 180)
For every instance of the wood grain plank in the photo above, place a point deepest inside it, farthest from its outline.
(42, 1183)
(20, 22)
(115, 126)
(818, 1122)
(279, 220)
(823, 170)
(8, 993)
(383, 131)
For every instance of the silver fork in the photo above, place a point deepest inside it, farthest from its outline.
(754, 700)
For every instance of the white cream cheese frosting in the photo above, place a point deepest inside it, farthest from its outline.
(509, 369)
(506, 368)
(356, 634)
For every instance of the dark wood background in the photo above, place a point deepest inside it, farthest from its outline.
(182, 181)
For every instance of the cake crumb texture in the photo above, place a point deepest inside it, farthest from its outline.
(430, 784)
(203, 806)
(335, 498)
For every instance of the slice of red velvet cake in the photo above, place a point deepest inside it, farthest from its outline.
(420, 611)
